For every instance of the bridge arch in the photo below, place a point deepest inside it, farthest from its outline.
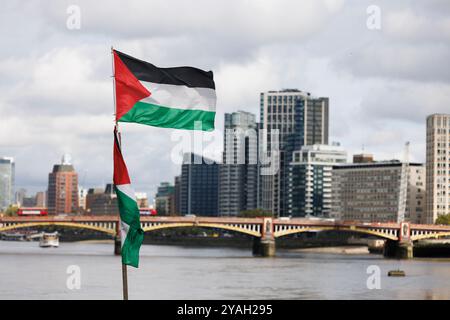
(62, 224)
(379, 234)
(248, 231)
(430, 236)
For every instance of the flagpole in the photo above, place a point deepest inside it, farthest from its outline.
(124, 266)
(125, 281)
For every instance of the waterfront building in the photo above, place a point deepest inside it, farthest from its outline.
(177, 195)
(82, 193)
(102, 201)
(362, 158)
(28, 202)
(142, 199)
(23, 200)
(63, 188)
(19, 196)
(199, 186)
(310, 175)
(298, 119)
(165, 199)
(370, 192)
(438, 166)
(7, 174)
(238, 173)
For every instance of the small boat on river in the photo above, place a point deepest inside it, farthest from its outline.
(49, 240)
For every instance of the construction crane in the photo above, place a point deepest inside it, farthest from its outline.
(403, 189)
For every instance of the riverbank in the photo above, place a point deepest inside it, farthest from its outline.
(245, 242)
(333, 243)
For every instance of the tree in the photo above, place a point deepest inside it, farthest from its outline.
(255, 213)
(11, 211)
(443, 219)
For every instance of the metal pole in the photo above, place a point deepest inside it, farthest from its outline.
(124, 266)
(114, 84)
(125, 281)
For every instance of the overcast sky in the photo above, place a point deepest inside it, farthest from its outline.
(56, 87)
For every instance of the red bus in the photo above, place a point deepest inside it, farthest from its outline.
(32, 212)
(147, 212)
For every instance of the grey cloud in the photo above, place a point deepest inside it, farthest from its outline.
(228, 28)
(405, 102)
(403, 62)
(413, 44)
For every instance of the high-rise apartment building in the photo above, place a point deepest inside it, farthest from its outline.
(199, 186)
(63, 188)
(238, 174)
(310, 177)
(299, 119)
(438, 166)
(370, 192)
(7, 171)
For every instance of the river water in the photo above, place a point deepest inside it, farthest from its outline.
(173, 272)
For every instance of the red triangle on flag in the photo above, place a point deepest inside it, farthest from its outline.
(128, 88)
(120, 169)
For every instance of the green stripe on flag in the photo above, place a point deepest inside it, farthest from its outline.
(129, 214)
(160, 116)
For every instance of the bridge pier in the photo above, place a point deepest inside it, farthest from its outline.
(263, 247)
(398, 249)
(117, 245)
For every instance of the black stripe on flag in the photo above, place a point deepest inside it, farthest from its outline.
(184, 76)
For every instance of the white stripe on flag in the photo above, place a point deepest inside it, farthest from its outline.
(127, 190)
(123, 231)
(180, 97)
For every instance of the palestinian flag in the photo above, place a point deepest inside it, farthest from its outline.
(180, 97)
(130, 225)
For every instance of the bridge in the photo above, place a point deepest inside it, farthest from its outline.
(399, 236)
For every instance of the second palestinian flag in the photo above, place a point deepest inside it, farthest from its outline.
(130, 226)
(180, 97)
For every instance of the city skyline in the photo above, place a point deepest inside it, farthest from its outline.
(314, 52)
(35, 191)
